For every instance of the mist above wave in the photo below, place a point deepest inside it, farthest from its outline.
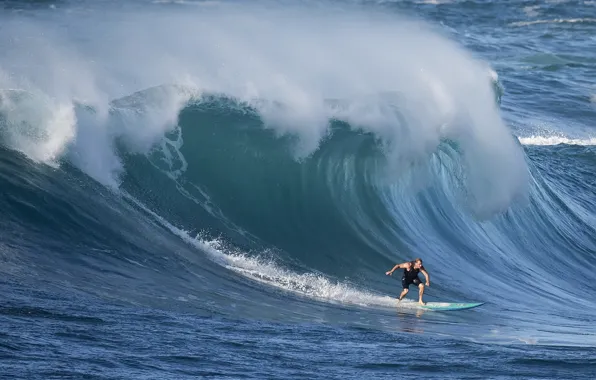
(402, 81)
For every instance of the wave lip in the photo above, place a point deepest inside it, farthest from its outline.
(396, 78)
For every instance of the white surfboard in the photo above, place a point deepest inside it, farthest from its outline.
(450, 306)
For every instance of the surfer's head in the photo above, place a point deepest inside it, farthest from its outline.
(418, 263)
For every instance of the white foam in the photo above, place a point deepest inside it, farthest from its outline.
(556, 140)
(397, 78)
(311, 285)
(35, 125)
(555, 21)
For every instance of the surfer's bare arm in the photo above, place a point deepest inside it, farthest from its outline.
(402, 265)
(425, 273)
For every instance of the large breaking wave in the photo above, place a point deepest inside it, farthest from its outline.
(305, 149)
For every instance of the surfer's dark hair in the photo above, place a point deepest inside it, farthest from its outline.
(418, 259)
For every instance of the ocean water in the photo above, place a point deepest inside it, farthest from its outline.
(215, 189)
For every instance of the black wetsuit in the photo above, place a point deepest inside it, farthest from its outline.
(411, 276)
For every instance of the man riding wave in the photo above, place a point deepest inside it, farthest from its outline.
(410, 276)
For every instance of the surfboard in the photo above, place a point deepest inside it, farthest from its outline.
(450, 306)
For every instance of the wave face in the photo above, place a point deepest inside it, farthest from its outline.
(278, 162)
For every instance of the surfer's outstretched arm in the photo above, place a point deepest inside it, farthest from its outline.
(402, 265)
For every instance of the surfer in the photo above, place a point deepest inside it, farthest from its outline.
(410, 276)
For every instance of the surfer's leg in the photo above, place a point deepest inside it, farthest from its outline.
(420, 293)
(405, 285)
(403, 294)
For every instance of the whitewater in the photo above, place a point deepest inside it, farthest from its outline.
(215, 189)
